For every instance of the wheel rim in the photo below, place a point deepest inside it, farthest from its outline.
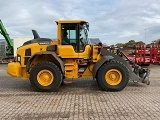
(45, 77)
(113, 77)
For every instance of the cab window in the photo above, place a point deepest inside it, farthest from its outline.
(75, 35)
(69, 35)
(83, 40)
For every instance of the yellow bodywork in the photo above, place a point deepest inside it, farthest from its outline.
(67, 53)
(69, 21)
(35, 47)
(71, 68)
(19, 70)
(14, 69)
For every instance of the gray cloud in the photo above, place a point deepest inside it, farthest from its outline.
(113, 21)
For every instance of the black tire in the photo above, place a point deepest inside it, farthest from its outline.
(115, 66)
(62, 83)
(54, 73)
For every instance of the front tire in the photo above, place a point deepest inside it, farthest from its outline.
(45, 76)
(113, 76)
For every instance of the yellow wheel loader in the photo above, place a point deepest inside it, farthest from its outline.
(46, 63)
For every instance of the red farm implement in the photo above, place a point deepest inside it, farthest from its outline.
(155, 53)
(144, 55)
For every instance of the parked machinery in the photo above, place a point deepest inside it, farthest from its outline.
(146, 55)
(46, 63)
(155, 53)
(9, 49)
(142, 55)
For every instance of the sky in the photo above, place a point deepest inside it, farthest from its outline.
(112, 21)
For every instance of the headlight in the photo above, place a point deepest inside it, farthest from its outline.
(18, 58)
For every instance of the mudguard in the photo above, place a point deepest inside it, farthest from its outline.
(100, 63)
(136, 72)
(106, 55)
(45, 53)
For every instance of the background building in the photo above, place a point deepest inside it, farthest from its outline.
(3, 45)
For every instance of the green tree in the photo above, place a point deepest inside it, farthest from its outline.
(156, 41)
(129, 44)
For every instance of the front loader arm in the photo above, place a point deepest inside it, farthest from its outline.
(137, 73)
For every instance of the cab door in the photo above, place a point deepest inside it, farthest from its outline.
(74, 43)
(69, 40)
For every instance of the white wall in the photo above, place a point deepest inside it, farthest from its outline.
(19, 40)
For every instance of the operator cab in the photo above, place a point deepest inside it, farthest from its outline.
(75, 34)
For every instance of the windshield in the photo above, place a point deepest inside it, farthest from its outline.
(84, 34)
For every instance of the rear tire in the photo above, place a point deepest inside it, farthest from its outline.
(113, 76)
(45, 76)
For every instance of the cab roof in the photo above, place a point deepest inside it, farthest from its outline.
(69, 21)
